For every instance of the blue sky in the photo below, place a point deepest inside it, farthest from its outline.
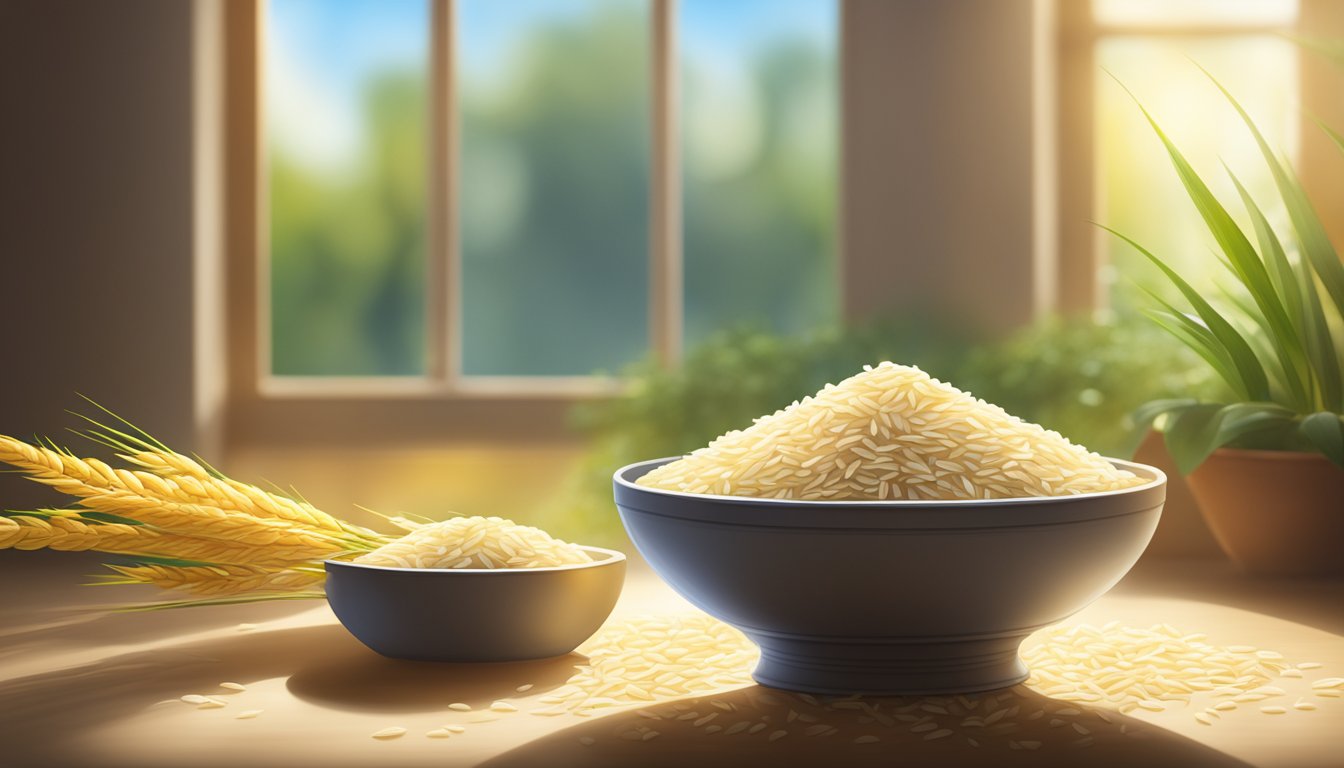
(345, 39)
(321, 52)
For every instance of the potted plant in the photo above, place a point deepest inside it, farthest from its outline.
(1267, 468)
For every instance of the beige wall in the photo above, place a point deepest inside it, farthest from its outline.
(1321, 166)
(96, 216)
(939, 206)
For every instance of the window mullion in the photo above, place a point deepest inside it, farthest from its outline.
(1078, 287)
(443, 334)
(665, 246)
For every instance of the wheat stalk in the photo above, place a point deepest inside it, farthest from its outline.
(164, 502)
(60, 530)
(210, 485)
(219, 539)
(220, 580)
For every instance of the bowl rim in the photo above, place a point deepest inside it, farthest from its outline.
(612, 556)
(1158, 479)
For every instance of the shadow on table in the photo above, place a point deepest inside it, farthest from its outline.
(41, 710)
(357, 679)
(96, 626)
(1308, 601)
(28, 620)
(741, 728)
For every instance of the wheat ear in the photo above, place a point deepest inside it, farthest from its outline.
(227, 493)
(220, 580)
(161, 501)
(70, 534)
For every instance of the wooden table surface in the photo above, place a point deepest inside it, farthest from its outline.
(84, 686)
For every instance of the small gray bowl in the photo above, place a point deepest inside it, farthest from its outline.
(890, 597)
(469, 614)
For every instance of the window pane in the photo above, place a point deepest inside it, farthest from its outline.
(554, 183)
(1139, 193)
(346, 141)
(759, 153)
(1160, 12)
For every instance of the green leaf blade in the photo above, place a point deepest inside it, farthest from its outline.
(1249, 269)
(1190, 435)
(1316, 246)
(1251, 378)
(1325, 430)
(1198, 339)
(1240, 420)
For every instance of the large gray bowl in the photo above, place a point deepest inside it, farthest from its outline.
(890, 597)
(466, 614)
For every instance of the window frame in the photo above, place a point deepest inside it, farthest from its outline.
(443, 377)
(874, 139)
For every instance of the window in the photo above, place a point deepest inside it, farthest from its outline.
(472, 194)
(759, 125)
(554, 175)
(480, 204)
(1156, 49)
(347, 145)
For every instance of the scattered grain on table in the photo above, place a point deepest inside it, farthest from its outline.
(690, 675)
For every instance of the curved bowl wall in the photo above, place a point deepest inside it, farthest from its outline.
(898, 597)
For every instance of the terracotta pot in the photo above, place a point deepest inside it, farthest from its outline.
(1182, 531)
(1275, 513)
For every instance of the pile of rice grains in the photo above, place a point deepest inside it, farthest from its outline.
(891, 432)
(475, 542)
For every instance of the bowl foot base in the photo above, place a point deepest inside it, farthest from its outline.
(818, 665)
